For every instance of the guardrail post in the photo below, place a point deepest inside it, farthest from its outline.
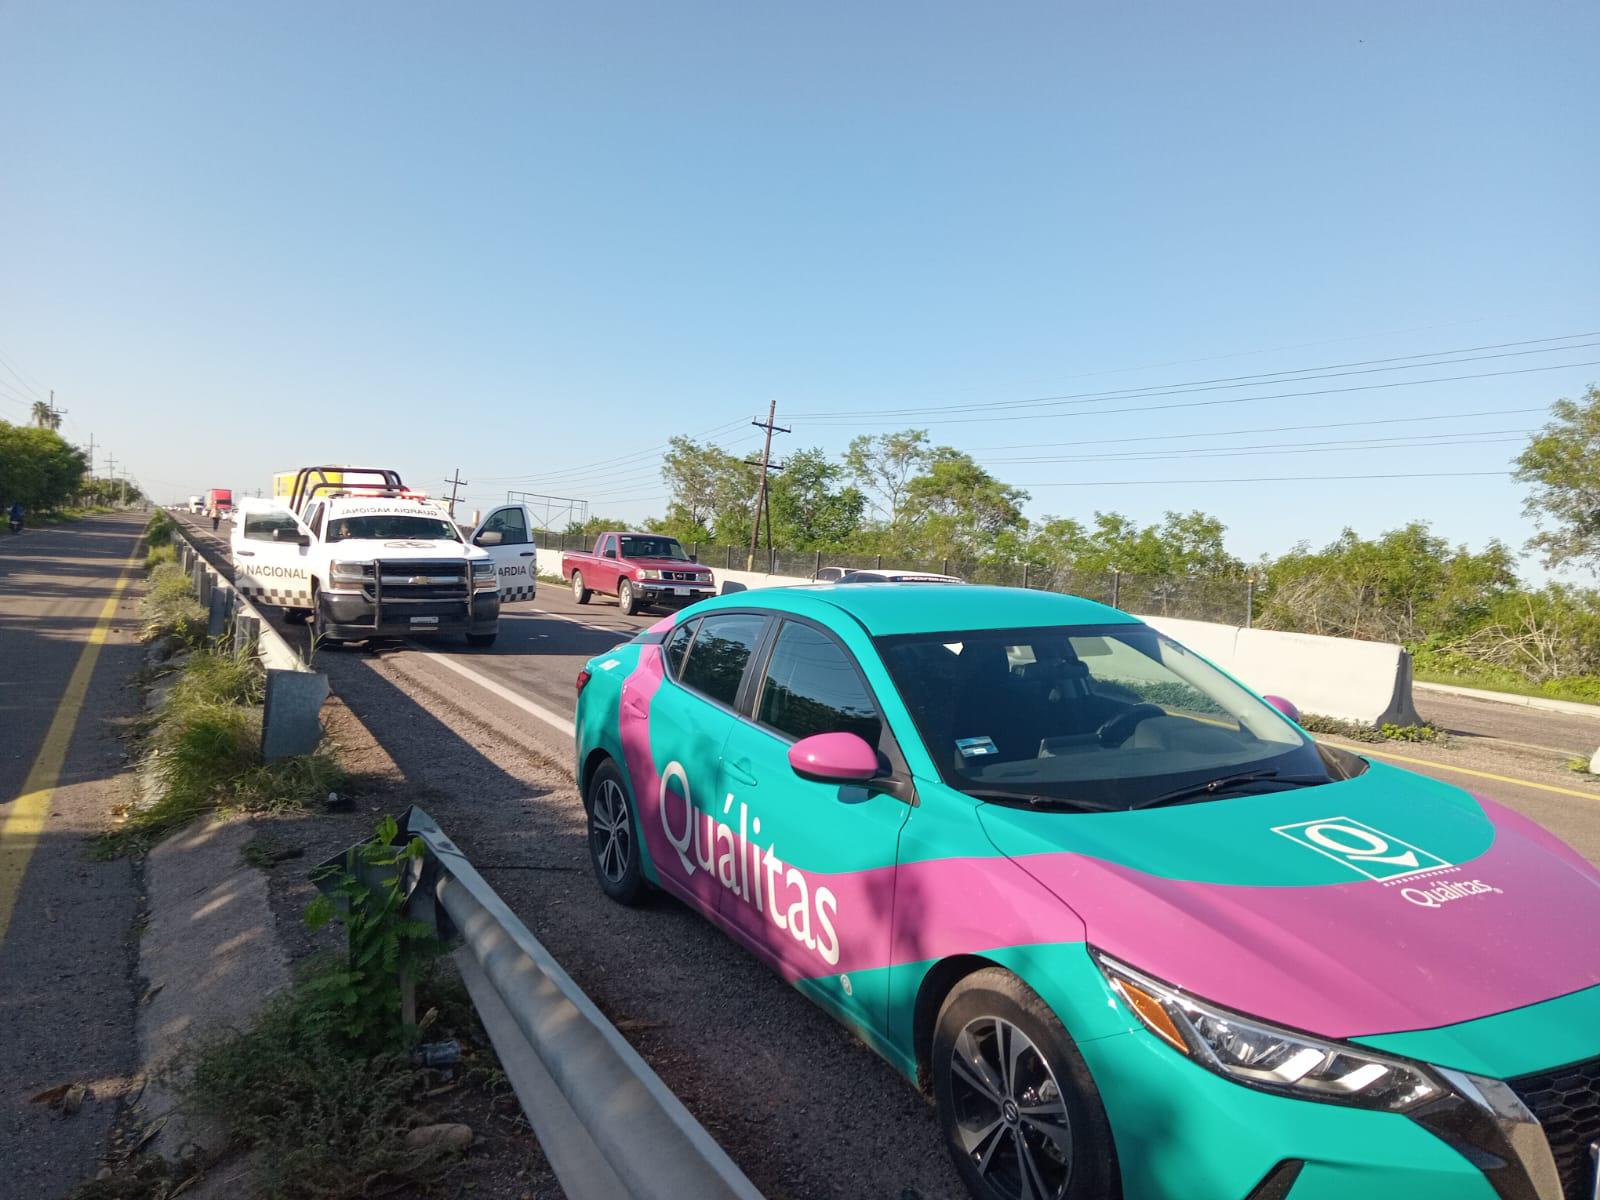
(289, 721)
(218, 611)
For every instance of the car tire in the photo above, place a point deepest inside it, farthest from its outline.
(626, 600)
(579, 592)
(1006, 1108)
(613, 836)
(482, 640)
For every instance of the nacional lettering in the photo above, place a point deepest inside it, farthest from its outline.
(1442, 893)
(758, 877)
(278, 572)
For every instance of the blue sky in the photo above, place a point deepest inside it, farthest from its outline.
(523, 238)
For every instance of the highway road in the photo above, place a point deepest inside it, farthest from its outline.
(1506, 752)
(68, 646)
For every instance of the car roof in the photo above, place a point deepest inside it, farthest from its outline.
(885, 609)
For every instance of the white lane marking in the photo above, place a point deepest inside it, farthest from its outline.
(549, 716)
(625, 632)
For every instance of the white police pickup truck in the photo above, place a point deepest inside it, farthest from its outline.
(366, 557)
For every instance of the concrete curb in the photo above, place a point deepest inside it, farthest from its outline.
(1575, 708)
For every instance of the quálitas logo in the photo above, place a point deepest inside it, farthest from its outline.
(1365, 850)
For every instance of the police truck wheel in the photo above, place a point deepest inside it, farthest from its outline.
(579, 592)
(319, 623)
(1020, 1112)
(614, 836)
(482, 640)
(626, 600)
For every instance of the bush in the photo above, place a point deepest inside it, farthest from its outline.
(169, 607)
(159, 556)
(1357, 732)
(161, 528)
(205, 755)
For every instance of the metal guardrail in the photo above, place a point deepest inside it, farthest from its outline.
(609, 1126)
(290, 723)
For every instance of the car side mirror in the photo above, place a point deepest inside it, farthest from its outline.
(694, 558)
(1286, 707)
(610, 554)
(291, 535)
(834, 758)
(489, 537)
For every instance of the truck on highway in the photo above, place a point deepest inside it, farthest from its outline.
(360, 555)
(640, 569)
(219, 500)
(197, 504)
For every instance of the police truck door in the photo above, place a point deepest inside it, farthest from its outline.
(267, 568)
(516, 559)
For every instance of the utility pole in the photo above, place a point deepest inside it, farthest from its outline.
(91, 460)
(761, 496)
(53, 420)
(455, 486)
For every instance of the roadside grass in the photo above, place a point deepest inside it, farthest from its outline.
(160, 529)
(169, 608)
(159, 555)
(204, 755)
(1357, 732)
(1583, 688)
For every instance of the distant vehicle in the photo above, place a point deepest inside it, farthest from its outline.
(364, 556)
(197, 504)
(219, 500)
(640, 570)
(896, 577)
(831, 574)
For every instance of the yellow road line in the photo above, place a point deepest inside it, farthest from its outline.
(1363, 748)
(24, 822)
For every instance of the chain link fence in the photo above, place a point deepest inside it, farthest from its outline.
(1229, 601)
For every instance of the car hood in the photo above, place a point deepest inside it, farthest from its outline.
(368, 549)
(1379, 904)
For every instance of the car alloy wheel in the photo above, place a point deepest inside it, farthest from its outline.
(1010, 1115)
(610, 832)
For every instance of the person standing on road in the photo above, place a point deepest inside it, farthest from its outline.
(216, 518)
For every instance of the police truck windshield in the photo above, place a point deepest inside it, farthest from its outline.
(392, 526)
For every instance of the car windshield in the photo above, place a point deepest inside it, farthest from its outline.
(392, 526)
(1100, 717)
(653, 547)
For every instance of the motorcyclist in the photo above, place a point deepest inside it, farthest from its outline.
(15, 516)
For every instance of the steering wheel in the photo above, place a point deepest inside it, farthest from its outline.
(1120, 727)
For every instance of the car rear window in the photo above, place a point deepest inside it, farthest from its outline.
(720, 653)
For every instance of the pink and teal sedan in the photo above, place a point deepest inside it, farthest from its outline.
(1136, 933)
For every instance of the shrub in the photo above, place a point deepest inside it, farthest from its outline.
(170, 608)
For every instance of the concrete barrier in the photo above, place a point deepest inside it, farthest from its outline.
(1365, 682)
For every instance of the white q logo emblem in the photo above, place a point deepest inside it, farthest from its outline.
(1362, 848)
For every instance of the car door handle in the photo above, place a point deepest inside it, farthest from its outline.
(635, 707)
(526, 554)
(741, 771)
(245, 553)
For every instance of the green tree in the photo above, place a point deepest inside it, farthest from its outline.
(713, 493)
(883, 465)
(38, 467)
(810, 510)
(1562, 464)
(45, 416)
(956, 509)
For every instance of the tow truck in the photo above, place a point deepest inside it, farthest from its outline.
(360, 555)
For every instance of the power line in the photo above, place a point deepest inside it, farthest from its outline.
(1365, 387)
(762, 506)
(35, 387)
(1165, 437)
(616, 460)
(1421, 442)
(1256, 479)
(456, 485)
(1264, 379)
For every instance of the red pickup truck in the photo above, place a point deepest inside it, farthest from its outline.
(639, 569)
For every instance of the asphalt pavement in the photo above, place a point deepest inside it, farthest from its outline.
(68, 646)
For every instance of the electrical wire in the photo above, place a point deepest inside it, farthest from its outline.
(1225, 383)
(1256, 479)
(1422, 442)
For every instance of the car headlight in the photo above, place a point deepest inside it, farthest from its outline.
(649, 574)
(1265, 1056)
(483, 572)
(348, 572)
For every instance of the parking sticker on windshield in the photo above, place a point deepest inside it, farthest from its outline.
(976, 747)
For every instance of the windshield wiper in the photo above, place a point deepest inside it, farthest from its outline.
(1221, 784)
(1031, 799)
